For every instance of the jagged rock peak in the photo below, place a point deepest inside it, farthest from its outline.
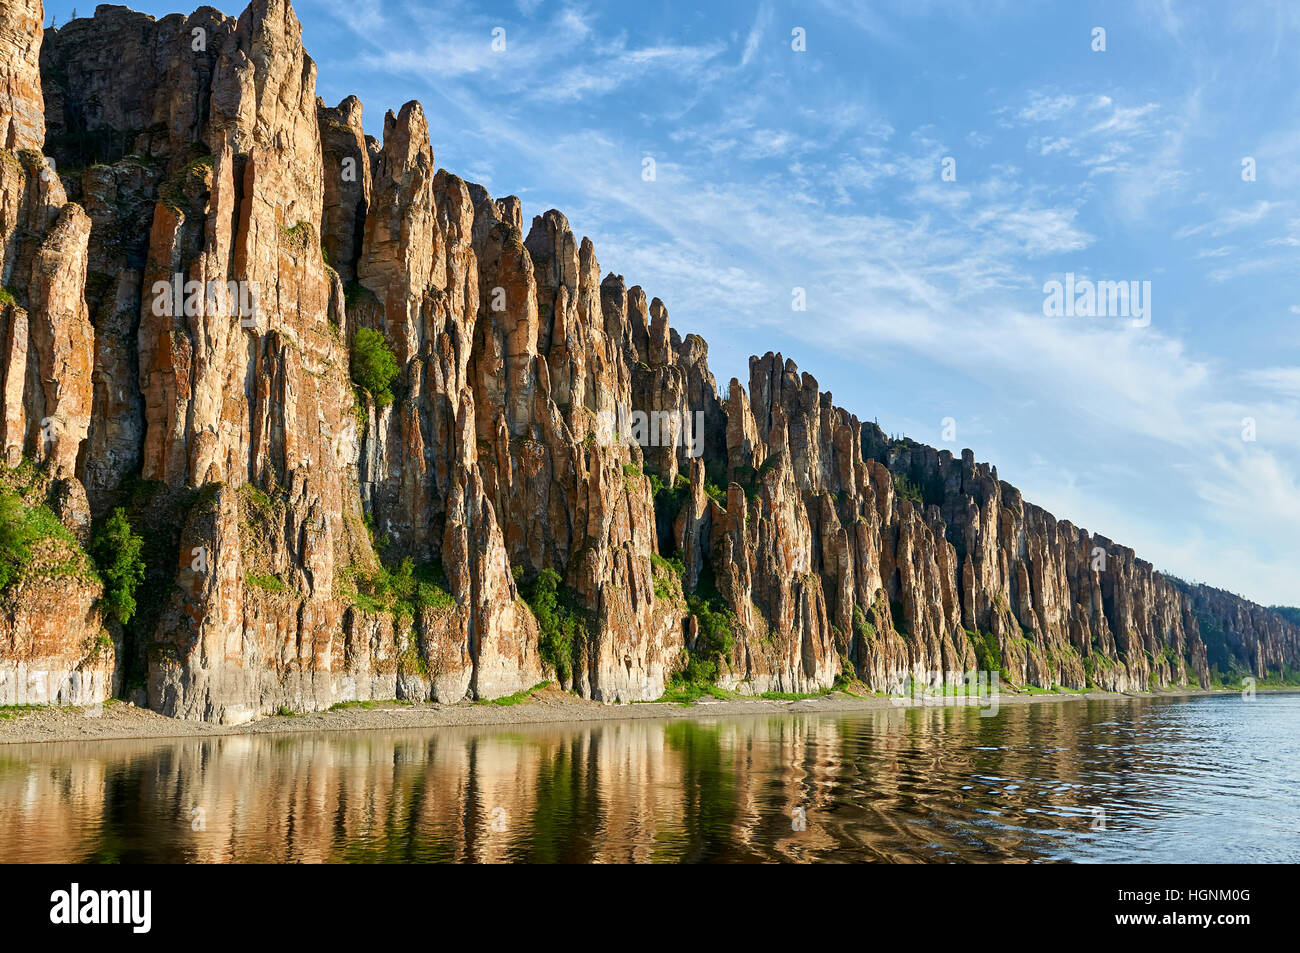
(516, 416)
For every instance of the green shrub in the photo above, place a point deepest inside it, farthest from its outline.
(420, 587)
(664, 570)
(749, 479)
(269, 583)
(668, 564)
(256, 499)
(716, 493)
(716, 482)
(847, 676)
(632, 477)
(13, 539)
(563, 628)
(299, 236)
(403, 590)
(21, 526)
(696, 677)
(518, 698)
(862, 627)
(716, 622)
(374, 366)
(907, 488)
(798, 696)
(116, 550)
(988, 655)
(668, 500)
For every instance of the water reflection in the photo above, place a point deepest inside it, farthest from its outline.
(1209, 779)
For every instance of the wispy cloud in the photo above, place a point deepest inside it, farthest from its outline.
(1281, 380)
(1229, 221)
(756, 33)
(821, 170)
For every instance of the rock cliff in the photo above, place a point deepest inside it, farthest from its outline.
(194, 248)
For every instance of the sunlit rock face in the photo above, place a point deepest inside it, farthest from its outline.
(22, 108)
(190, 242)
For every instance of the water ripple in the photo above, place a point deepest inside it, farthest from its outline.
(1203, 780)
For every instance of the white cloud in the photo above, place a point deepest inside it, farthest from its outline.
(1282, 380)
(455, 44)
(1229, 221)
(755, 37)
(924, 285)
(1044, 108)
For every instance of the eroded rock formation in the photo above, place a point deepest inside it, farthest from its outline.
(187, 263)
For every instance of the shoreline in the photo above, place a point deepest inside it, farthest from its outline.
(121, 721)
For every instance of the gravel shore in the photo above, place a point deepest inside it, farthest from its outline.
(119, 720)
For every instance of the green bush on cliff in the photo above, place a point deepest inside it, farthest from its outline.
(267, 583)
(116, 550)
(563, 630)
(422, 586)
(703, 662)
(694, 679)
(22, 526)
(13, 539)
(905, 487)
(664, 570)
(862, 627)
(405, 590)
(715, 622)
(374, 366)
(668, 500)
(988, 653)
(715, 618)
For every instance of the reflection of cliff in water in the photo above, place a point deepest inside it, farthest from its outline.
(925, 784)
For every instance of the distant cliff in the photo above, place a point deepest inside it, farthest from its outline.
(438, 509)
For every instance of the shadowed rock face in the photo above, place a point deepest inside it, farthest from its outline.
(194, 150)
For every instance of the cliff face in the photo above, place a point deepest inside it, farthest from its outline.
(21, 104)
(185, 287)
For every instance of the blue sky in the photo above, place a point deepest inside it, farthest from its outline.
(821, 169)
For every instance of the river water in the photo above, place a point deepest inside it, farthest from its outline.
(1194, 780)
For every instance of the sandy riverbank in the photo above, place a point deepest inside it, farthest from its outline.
(119, 720)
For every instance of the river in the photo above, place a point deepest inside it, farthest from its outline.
(1180, 780)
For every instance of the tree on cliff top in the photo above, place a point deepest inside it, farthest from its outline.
(374, 366)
